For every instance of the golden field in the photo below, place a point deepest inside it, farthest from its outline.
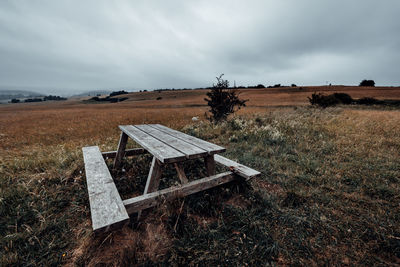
(328, 193)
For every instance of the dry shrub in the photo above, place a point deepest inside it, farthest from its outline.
(113, 249)
(124, 247)
(155, 242)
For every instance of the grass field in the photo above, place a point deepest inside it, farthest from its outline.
(329, 192)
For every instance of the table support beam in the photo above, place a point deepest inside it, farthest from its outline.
(210, 164)
(139, 203)
(121, 150)
(181, 173)
(153, 179)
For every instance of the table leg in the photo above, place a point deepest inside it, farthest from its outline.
(181, 173)
(153, 179)
(121, 150)
(210, 164)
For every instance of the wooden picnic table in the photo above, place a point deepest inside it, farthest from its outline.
(167, 146)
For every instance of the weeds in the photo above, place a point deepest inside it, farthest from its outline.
(328, 194)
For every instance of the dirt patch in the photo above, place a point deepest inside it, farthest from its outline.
(238, 201)
(203, 221)
(269, 187)
(112, 249)
(155, 242)
(123, 247)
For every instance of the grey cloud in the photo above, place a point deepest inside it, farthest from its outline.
(158, 44)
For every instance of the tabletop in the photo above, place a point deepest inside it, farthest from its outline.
(169, 145)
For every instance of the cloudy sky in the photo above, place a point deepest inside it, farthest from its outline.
(71, 46)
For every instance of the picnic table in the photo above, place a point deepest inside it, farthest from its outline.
(168, 146)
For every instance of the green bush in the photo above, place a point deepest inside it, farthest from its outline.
(223, 101)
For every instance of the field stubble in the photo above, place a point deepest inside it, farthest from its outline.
(328, 194)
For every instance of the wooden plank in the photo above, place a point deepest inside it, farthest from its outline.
(237, 168)
(153, 179)
(121, 150)
(128, 152)
(160, 150)
(181, 173)
(209, 147)
(210, 164)
(191, 151)
(139, 203)
(106, 206)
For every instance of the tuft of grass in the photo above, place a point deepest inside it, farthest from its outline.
(328, 193)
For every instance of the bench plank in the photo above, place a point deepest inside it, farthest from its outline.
(237, 168)
(128, 152)
(106, 206)
(160, 150)
(188, 149)
(139, 203)
(209, 147)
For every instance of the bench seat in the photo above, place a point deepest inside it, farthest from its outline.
(106, 206)
(237, 168)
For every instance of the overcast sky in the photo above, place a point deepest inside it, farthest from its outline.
(71, 46)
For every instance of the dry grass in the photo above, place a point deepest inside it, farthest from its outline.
(329, 192)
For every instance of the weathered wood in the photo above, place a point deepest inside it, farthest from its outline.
(181, 173)
(128, 152)
(160, 150)
(106, 206)
(153, 179)
(121, 150)
(210, 164)
(190, 151)
(209, 147)
(139, 203)
(237, 168)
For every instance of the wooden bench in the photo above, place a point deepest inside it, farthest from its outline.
(167, 146)
(106, 206)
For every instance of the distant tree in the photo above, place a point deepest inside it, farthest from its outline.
(223, 101)
(293, 85)
(367, 83)
(260, 86)
(14, 100)
(118, 93)
(54, 97)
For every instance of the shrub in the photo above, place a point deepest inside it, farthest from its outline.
(323, 100)
(368, 101)
(260, 86)
(367, 83)
(14, 100)
(330, 100)
(118, 93)
(33, 100)
(223, 101)
(344, 98)
(294, 85)
(54, 97)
